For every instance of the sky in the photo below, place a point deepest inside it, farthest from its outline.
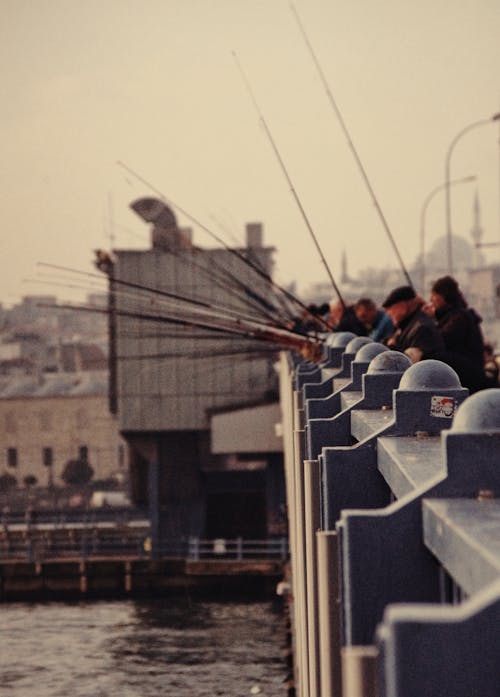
(154, 84)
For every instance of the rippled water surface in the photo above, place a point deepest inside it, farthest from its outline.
(141, 649)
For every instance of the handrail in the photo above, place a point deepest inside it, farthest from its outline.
(46, 541)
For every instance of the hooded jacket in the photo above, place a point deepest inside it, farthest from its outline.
(463, 343)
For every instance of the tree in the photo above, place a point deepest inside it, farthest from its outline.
(7, 482)
(77, 472)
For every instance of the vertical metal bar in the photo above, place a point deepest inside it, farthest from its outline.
(312, 524)
(359, 671)
(329, 613)
(300, 597)
(154, 502)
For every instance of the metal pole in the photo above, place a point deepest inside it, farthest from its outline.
(449, 233)
(312, 524)
(423, 212)
(154, 500)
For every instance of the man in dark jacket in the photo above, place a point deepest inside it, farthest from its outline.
(459, 327)
(416, 333)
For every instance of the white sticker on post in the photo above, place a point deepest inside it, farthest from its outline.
(443, 407)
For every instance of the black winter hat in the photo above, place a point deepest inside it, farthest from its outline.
(447, 287)
(398, 295)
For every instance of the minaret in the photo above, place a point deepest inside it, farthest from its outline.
(476, 233)
(344, 276)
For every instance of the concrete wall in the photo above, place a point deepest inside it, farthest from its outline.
(64, 424)
(173, 390)
(247, 430)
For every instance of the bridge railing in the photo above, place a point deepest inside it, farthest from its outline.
(239, 548)
(393, 475)
(36, 542)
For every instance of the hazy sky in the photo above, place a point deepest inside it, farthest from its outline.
(153, 83)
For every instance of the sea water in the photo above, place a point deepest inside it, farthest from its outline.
(142, 649)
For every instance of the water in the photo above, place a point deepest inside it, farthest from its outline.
(140, 649)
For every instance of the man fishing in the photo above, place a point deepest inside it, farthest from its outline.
(416, 333)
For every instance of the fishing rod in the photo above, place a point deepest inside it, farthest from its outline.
(351, 145)
(247, 294)
(250, 296)
(242, 257)
(249, 262)
(201, 354)
(309, 347)
(207, 309)
(237, 311)
(150, 289)
(249, 252)
(256, 301)
(171, 335)
(227, 230)
(288, 179)
(124, 295)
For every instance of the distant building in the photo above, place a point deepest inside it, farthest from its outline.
(41, 315)
(46, 422)
(28, 311)
(38, 336)
(172, 378)
(23, 353)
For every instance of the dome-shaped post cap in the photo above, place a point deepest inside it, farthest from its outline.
(389, 362)
(429, 375)
(355, 344)
(479, 413)
(368, 352)
(339, 339)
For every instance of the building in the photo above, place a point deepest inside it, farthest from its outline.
(44, 422)
(173, 377)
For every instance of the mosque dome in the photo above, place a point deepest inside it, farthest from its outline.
(437, 257)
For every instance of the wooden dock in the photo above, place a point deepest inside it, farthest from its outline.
(96, 577)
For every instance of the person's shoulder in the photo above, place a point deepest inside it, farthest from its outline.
(423, 318)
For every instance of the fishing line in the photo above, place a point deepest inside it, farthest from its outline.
(351, 144)
(288, 178)
(240, 256)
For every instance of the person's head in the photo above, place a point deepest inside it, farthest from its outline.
(336, 312)
(488, 350)
(400, 303)
(445, 292)
(365, 310)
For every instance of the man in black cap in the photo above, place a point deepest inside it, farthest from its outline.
(416, 333)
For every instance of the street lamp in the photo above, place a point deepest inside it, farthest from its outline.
(423, 213)
(495, 117)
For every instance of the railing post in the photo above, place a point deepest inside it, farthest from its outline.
(194, 548)
(239, 548)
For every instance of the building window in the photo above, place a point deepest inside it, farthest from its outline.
(47, 456)
(11, 457)
(83, 453)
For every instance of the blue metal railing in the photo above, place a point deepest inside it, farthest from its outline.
(393, 492)
(21, 541)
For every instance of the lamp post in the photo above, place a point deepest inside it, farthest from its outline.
(464, 130)
(423, 213)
